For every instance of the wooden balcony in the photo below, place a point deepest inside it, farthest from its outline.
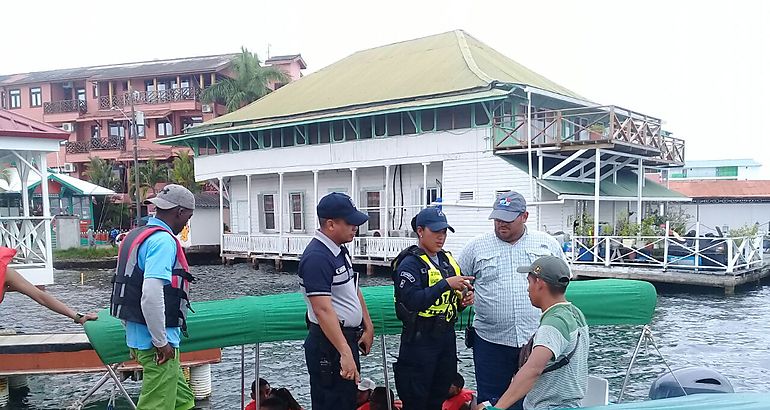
(573, 129)
(96, 144)
(65, 106)
(150, 97)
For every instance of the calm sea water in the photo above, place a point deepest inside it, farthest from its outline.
(693, 328)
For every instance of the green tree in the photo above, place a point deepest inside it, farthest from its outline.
(99, 172)
(5, 179)
(183, 172)
(250, 82)
(151, 173)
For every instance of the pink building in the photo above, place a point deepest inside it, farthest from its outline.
(93, 104)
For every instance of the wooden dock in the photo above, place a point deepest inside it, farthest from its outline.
(712, 279)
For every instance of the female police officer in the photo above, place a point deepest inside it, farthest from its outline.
(430, 291)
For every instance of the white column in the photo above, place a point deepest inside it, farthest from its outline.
(387, 211)
(529, 147)
(43, 165)
(425, 184)
(221, 219)
(353, 187)
(280, 213)
(248, 202)
(639, 186)
(597, 181)
(24, 174)
(315, 197)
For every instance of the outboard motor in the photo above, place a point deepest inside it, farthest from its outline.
(694, 380)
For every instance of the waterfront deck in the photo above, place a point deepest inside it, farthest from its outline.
(728, 282)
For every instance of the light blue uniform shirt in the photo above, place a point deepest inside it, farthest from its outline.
(156, 257)
(504, 313)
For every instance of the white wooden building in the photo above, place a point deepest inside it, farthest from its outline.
(441, 119)
(24, 144)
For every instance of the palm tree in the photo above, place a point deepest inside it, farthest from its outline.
(99, 172)
(250, 82)
(183, 172)
(5, 179)
(151, 173)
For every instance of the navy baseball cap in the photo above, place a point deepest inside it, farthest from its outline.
(433, 219)
(337, 205)
(508, 206)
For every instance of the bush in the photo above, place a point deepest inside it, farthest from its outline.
(85, 253)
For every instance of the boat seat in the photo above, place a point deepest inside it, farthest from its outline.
(597, 392)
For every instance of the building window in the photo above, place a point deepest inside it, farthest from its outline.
(188, 122)
(268, 207)
(164, 129)
(15, 98)
(373, 209)
(140, 130)
(35, 97)
(3, 105)
(80, 94)
(431, 196)
(95, 89)
(727, 171)
(94, 131)
(116, 130)
(295, 199)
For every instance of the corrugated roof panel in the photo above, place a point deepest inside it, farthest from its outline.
(427, 67)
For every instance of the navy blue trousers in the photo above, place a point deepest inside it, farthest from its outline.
(495, 366)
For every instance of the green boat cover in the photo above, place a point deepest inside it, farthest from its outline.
(716, 401)
(257, 319)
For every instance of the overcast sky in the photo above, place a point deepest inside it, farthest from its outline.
(701, 66)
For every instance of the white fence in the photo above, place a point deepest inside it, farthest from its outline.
(27, 236)
(363, 247)
(730, 255)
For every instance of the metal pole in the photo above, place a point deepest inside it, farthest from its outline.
(256, 371)
(597, 192)
(122, 389)
(529, 147)
(385, 370)
(133, 135)
(243, 376)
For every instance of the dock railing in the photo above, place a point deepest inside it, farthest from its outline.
(728, 255)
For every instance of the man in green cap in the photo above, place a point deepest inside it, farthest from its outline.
(556, 370)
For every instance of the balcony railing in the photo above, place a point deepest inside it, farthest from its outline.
(602, 124)
(27, 236)
(65, 106)
(96, 144)
(364, 247)
(150, 97)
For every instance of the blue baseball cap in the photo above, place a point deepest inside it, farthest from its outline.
(508, 206)
(337, 205)
(433, 219)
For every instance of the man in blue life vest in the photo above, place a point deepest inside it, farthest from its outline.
(150, 295)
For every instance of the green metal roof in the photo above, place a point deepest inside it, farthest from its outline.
(450, 66)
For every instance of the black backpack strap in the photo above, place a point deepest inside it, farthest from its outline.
(564, 360)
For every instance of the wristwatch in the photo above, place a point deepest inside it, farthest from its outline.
(78, 316)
